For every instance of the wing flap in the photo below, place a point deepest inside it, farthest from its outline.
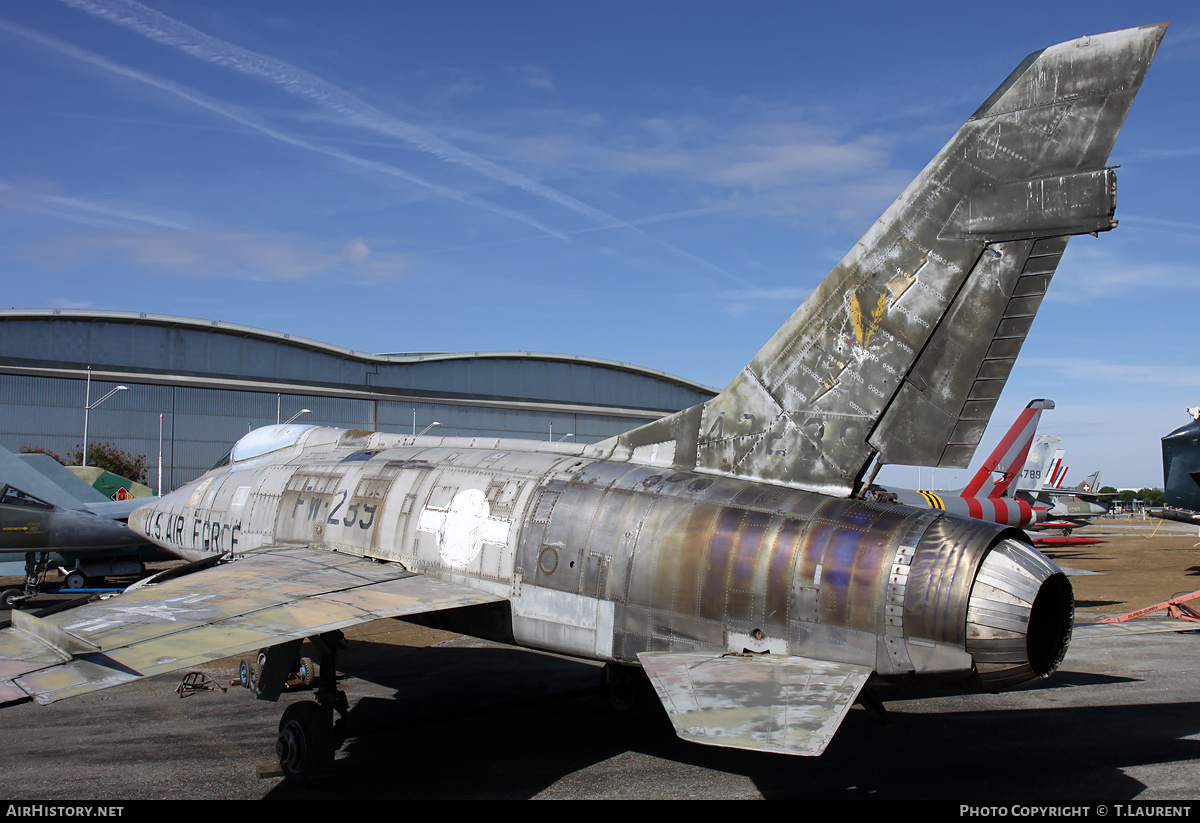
(270, 596)
(769, 702)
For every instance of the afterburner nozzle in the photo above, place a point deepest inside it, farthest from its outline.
(1019, 616)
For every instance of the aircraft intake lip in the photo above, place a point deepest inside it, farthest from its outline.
(1019, 616)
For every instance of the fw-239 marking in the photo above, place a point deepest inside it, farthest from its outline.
(726, 549)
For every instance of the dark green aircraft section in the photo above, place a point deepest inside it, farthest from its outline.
(41, 534)
(1181, 473)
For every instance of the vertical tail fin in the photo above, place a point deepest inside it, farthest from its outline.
(1058, 470)
(1040, 464)
(903, 349)
(1009, 455)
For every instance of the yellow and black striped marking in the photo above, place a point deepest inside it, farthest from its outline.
(933, 500)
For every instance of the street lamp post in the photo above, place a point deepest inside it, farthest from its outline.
(88, 405)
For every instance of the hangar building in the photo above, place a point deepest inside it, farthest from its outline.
(212, 382)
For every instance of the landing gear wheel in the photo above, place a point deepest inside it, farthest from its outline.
(9, 597)
(307, 671)
(305, 742)
(75, 580)
(244, 669)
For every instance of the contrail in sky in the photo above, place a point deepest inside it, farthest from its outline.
(246, 120)
(170, 32)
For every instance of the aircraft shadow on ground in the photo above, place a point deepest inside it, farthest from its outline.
(509, 723)
(1097, 604)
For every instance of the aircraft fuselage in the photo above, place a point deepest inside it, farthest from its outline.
(605, 559)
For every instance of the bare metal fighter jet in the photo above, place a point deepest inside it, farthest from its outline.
(725, 549)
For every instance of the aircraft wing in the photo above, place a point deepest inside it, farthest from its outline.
(269, 596)
(116, 509)
(766, 702)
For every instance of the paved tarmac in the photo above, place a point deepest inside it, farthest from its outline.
(465, 719)
(456, 718)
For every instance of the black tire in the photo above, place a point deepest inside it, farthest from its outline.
(8, 598)
(305, 742)
(306, 671)
(75, 580)
(244, 669)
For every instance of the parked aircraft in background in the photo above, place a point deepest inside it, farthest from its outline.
(1074, 506)
(725, 550)
(989, 495)
(1043, 457)
(1000, 499)
(1181, 472)
(1057, 507)
(50, 518)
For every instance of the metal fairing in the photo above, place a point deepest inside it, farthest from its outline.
(720, 549)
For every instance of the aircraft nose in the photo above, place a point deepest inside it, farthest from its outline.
(137, 520)
(1019, 616)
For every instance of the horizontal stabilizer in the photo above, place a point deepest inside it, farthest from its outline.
(766, 702)
(273, 595)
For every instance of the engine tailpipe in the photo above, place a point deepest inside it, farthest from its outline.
(1019, 617)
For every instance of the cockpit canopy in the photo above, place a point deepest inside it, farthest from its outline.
(266, 440)
(263, 441)
(12, 496)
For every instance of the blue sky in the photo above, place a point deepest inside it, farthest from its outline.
(660, 183)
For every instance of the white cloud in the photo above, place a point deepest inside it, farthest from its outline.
(1105, 373)
(228, 253)
(536, 77)
(1090, 272)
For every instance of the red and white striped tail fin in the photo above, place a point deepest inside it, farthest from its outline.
(1009, 456)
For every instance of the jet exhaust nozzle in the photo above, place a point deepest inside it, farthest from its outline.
(1019, 616)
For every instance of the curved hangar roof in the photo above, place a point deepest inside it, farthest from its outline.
(153, 348)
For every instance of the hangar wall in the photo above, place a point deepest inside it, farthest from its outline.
(213, 381)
